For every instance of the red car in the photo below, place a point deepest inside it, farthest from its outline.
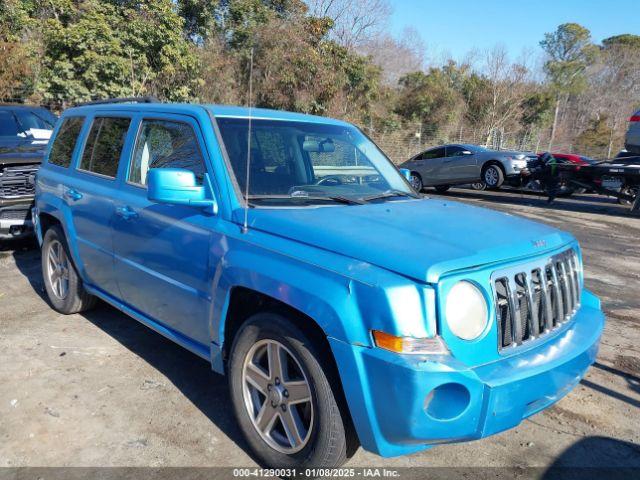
(579, 161)
(573, 158)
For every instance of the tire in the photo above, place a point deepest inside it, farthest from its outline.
(628, 190)
(492, 176)
(325, 437)
(61, 280)
(416, 182)
(479, 186)
(442, 188)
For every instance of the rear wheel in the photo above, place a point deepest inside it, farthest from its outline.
(493, 176)
(416, 182)
(61, 280)
(283, 397)
(628, 190)
(479, 186)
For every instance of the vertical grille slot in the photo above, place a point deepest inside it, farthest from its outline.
(533, 302)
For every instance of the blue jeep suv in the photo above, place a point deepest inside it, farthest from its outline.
(289, 252)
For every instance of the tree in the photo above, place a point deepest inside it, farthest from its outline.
(507, 90)
(96, 49)
(199, 18)
(396, 57)
(430, 98)
(569, 51)
(355, 22)
(613, 85)
(595, 139)
(625, 40)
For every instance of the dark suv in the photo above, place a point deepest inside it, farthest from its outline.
(24, 135)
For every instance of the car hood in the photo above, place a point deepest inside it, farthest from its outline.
(31, 152)
(506, 153)
(421, 239)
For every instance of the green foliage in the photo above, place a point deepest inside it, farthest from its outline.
(570, 52)
(97, 49)
(596, 137)
(428, 97)
(537, 109)
(626, 40)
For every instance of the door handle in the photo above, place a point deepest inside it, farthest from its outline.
(126, 212)
(447, 161)
(72, 194)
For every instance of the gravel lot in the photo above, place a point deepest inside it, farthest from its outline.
(99, 389)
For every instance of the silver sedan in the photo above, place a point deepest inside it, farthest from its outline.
(457, 164)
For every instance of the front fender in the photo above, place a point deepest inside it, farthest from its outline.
(325, 296)
(345, 306)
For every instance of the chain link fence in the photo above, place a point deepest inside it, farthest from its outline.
(401, 145)
(413, 138)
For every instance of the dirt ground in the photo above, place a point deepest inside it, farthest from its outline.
(99, 389)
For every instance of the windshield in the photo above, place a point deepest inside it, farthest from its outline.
(310, 162)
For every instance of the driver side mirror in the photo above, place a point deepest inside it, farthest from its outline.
(406, 173)
(177, 186)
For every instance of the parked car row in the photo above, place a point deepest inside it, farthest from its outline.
(465, 164)
(24, 134)
(460, 164)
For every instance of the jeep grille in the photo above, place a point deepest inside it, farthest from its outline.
(533, 302)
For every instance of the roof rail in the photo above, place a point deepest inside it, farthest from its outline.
(106, 101)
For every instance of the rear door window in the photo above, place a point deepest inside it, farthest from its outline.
(454, 151)
(104, 145)
(166, 144)
(65, 141)
(434, 153)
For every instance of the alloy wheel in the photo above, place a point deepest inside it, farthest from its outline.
(58, 270)
(277, 396)
(416, 183)
(491, 176)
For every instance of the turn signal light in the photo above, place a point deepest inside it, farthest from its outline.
(410, 345)
(635, 118)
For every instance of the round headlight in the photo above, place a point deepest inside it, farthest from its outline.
(466, 311)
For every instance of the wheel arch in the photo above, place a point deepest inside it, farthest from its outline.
(496, 162)
(245, 302)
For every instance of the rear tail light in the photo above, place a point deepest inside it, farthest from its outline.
(635, 118)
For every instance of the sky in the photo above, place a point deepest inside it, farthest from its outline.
(457, 26)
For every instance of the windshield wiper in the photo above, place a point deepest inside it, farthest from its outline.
(305, 198)
(390, 194)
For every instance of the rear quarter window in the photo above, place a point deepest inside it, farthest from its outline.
(104, 145)
(65, 141)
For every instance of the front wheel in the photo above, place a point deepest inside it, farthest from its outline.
(479, 186)
(493, 176)
(416, 182)
(283, 397)
(442, 188)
